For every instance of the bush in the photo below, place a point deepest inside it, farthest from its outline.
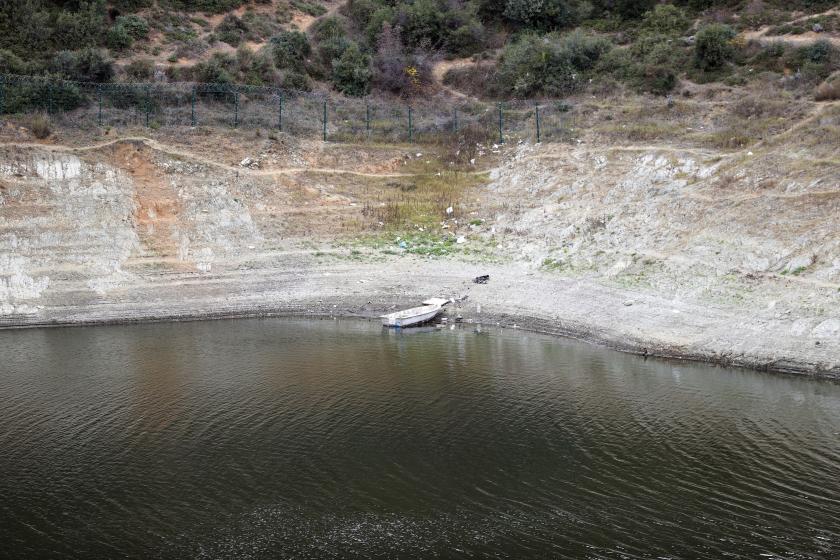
(40, 126)
(295, 81)
(819, 52)
(552, 65)
(10, 63)
(290, 49)
(231, 30)
(658, 80)
(828, 91)
(466, 40)
(713, 47)
(140, 70)
(134, 25)
(310, 8)
(351, 72)
(88, 65)
(397, 70)
(546, 14)
(119, 38)
(217, 70)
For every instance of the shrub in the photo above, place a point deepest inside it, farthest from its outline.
(211, 6)
(713, 47)
(351, 72)
(40, 126)
(360, 11)
(545, 14)
(398, 70)
(377, 21)
(290, 49)
(665, 19)
(466, 40)
(818, 52)
(87, 65)
(10, 63)
(231, 30)
(658, 80)
(141, 69)
(118, 38)
(217, 70)
(310, 8)
(295, 81)
(828, 91)
(553, 65)
(134, 25)
(328, 28)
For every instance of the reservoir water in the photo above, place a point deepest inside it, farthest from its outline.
(336, 439)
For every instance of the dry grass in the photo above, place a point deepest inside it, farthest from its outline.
(40, 126)
(420, 201)
(828, 91)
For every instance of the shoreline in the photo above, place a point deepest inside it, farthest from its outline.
(369, 307)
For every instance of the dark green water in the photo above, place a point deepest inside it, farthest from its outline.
(296, 439)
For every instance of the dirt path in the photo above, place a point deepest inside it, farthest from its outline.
(442, 67)
(802, 39)
(305, 21)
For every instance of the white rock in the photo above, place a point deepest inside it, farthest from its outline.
(830, 328)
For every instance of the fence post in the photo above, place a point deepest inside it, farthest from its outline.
(49, 98)
(2, 94)
(455, 121)
(410, 126)
(280, 114)
(148, 103)
(192, 107)
(99, 104)
(235, 109)
(501, 133)
(537, 113)
(367, 119)
(325, 121)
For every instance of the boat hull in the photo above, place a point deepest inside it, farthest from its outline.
(412, 317)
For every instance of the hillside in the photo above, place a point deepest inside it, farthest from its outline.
(515, 48)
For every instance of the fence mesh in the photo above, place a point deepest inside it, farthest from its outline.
(303, 114)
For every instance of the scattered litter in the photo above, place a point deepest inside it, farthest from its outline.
(461, 240)
(481, 279)
(403, 245)
(450, 210)
(629, 302)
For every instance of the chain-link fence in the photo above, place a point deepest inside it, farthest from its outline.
(303, 114)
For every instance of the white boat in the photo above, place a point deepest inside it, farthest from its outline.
(413, 316)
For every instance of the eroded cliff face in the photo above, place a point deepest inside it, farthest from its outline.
(87, 222)
(759, 232)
